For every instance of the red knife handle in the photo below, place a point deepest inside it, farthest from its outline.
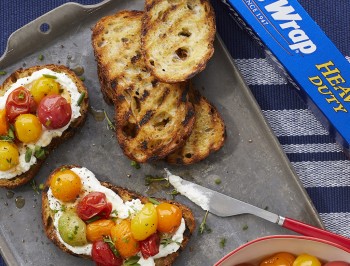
(309, 230)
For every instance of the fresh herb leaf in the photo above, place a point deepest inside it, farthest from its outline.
(28, 155)
(82, 78)
(41, 186)
(150, 179)
(203, 226)
(9, 137)
(34, 186)
(41, 57)
(108, 240)
(153, 201)
(109, 122)
(132, 261)
(218, 181)
(49, 76)
(63, 208)
(173, 193)
(115, 212)
(48, 122)
(81, 98)
(54, 211)
(21, 95)
(93, 219)
(167, 241)
(245, 227)
(2, 72)
(135, 164)
(222, 242)
(39, 152)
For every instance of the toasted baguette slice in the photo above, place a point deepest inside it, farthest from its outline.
(75, 124)
(126, 195)
(152, 119)
(177, 38)
(208, 134)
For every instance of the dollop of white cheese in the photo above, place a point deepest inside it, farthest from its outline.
(47, 134)
(122, 209)
(189, 191)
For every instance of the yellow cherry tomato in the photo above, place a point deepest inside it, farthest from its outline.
(9, 156)
(65, 185)
(145, 222)
(279, 259)
(169, 217)
(28, 128)
(43, 87)
(306, 260)
(4, 125)
(123, 239)
(97, 230)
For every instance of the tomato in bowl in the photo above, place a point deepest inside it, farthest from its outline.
(255, 251)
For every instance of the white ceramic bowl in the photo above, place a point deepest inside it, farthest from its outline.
(256, 250)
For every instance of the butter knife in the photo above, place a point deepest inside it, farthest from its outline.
(224, 206)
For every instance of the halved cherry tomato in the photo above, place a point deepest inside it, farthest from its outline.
(65, 185)
(94, 203)
(169, 217)
(97, 230)
(279, 259)
(306, 260)
(144, 222)
(54, 111)
(124, 240)
(19, 102)
(4, 125)
(103, 255)
(337, 263)
(28, 128)
(150, 246)
(42, 87)
(9, 156)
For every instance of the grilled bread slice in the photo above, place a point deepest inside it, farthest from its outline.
(126, 195)
(152, 118)
(75, 124)
(208, 134)
(177, 37)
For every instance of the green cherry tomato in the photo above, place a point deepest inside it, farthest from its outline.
(72, 229)
(306, 260)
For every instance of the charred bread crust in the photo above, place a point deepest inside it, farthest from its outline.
(186, 30)
(70, 131)
(126, 195)
(208, 134)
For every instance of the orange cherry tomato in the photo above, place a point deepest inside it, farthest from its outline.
(4, 125)
(169, 217)
(65, 185)
(97, 230)
(279, 259)
(123, 239)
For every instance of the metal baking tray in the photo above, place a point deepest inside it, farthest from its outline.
(251, 165)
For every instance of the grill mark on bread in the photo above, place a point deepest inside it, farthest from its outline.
(146, 118)
(188, 117)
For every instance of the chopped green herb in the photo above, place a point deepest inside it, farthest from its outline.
(49, 76)
(48, 123)
(135, 164)
(218, 181)
(108, 240)
(34, 186)
(167, 241)
(21, 95)
(115, 212)
(82, 78)
(245, 227)
(150, 179)
(28, 155)
(222, 242)
(81, 98)
(11, 133)
(63, 208)
(203, 226)
(41, 186)
(41, 57)
(76, 229)
(153, 201)
(110, 124)
(55, 211)
(2, 72)
(93, 219)
(173, 193)
(132, 261)
(39, 152)
(63, 169)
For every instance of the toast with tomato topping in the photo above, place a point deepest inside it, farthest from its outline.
(177, 38)
(48, 215)
(152, 118)
(73, 126)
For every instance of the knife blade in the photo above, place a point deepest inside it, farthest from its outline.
(224, 206)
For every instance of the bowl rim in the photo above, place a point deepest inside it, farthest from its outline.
(277, 237)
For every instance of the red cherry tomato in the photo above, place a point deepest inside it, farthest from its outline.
(337, 263)
(94, 203)
(150, 246)
(19, 102)
(54, 111)
(103, 255)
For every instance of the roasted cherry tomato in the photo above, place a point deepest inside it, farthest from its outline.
(144, 222)
(123, 239)
(54, 111)
(94, 203)
(279, 259)
(103, 255)
(337, 263)
(150, 246)
(306, 260)
(19, 102)
(65, 185)
(97, 230)
(72, 229)
(169, 217)
(4, 125)
(43, 87)
(9, 156)
(28, 128)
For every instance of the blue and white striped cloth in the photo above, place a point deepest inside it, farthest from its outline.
(318, 160)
